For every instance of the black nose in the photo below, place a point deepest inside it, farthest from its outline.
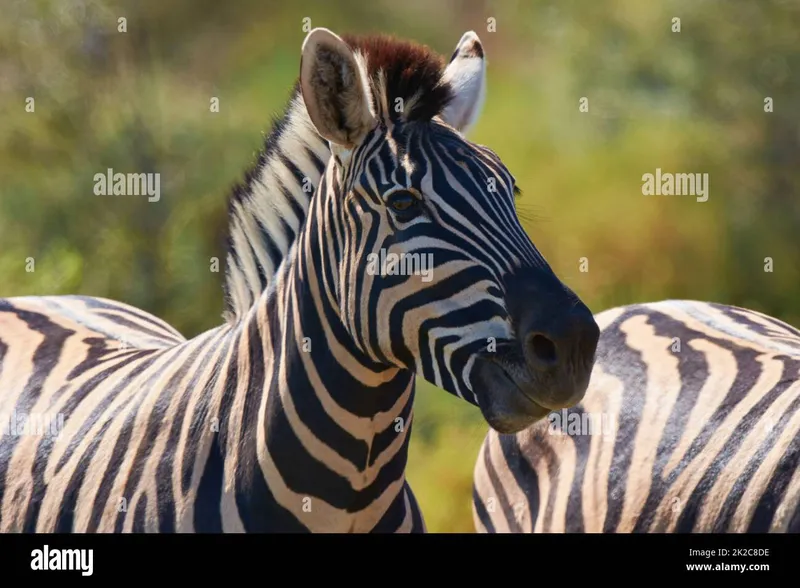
(540, 351)
(566, 338)
(557, 335)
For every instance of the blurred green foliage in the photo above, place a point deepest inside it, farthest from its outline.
(138, 101)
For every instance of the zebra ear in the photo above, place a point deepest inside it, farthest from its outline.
(334, 89)
(466, 74)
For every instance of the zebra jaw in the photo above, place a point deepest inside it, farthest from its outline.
(507, 407)
(506, 388)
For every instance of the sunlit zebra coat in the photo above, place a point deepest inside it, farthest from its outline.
(691, 424)
(295, 414)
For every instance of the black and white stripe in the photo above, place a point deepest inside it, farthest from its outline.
(295, 414)
(704, 406)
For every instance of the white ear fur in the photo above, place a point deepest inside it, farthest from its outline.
(466, 74)
(334, 90)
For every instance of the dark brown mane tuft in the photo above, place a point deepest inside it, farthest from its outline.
(408, 68)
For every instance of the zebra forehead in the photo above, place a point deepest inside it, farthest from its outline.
(402, 151)
(406, 70)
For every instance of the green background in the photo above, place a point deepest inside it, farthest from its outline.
(689, 101)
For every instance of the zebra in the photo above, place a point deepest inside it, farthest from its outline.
(295, 414)
(691, 423)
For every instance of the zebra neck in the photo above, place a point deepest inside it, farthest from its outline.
(304, 327)
(269, 208)
(337, 426)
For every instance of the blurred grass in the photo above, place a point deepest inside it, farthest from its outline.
(139, 101)
(446, 436)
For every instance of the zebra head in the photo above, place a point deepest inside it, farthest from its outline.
(423, 252)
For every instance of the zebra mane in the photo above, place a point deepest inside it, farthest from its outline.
(267, 209)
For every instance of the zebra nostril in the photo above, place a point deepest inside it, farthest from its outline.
(540, 350)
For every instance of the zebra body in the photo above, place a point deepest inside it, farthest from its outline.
(691, 423)
(172, 434)
(295, 414)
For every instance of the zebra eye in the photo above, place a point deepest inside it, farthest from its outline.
(402, 201)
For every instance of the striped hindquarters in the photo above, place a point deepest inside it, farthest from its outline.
(94, 406)
(691, 423)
